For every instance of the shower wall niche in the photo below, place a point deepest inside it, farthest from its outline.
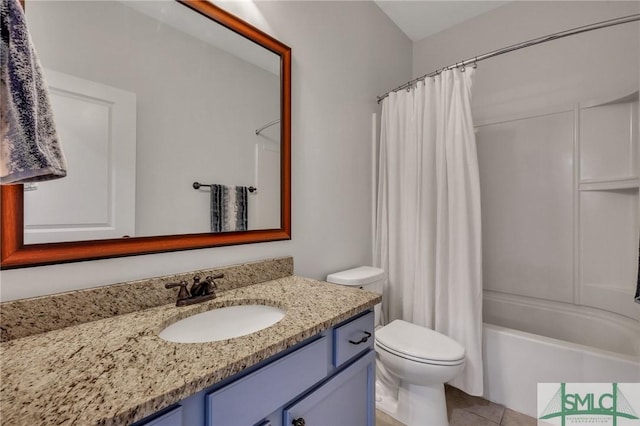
(608, 204)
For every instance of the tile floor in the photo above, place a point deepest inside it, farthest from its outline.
(466, 410)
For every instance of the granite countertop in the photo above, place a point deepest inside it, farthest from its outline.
(117, 370)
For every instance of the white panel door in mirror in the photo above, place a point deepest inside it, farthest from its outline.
(265, 212)
(97, 129)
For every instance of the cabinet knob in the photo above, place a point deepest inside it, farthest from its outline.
(298, 422)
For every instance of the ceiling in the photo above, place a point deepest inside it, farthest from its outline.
(420, 19)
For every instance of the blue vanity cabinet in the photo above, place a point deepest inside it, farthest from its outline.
(347, 399)
(329, 379)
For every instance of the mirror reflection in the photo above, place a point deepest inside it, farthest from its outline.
(150, 97)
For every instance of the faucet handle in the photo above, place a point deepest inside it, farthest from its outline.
(183, 293)
(211, 279)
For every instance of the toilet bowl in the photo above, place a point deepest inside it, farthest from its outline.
(413, 362)
(422, 360)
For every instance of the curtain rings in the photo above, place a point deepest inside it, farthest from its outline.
(411, 84)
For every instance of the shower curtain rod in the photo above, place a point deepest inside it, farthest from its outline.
(269, 124)
(473, 61)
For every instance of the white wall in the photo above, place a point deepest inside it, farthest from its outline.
(344, 54)
(594, 64)
(524, 104)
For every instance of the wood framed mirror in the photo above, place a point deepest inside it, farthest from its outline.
(16, 253)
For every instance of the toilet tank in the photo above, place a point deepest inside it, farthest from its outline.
(365, 277)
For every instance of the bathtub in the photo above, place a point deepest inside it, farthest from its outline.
(515, 361)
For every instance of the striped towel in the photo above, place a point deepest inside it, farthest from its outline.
(228, 208)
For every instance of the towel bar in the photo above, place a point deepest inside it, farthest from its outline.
(197, 185)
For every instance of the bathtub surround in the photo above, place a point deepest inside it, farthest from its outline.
(117, 370)
(428, 216)
(29, 146)
(27, 317)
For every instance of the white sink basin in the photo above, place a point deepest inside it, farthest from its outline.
(222, 323)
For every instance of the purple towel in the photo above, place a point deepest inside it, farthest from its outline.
(29, 148)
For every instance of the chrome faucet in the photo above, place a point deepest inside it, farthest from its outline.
(201, 291)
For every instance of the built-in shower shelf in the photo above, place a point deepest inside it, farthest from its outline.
(610, 184)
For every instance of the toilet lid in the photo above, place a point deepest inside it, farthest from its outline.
(419, 343)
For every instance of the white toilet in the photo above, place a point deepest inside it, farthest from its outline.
(413, 364)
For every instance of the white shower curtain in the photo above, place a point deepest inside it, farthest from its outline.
(428, 229)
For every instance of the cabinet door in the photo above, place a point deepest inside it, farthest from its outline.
(345, 400)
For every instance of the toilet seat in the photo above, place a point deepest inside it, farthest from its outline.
(419, 344)
(417, 359)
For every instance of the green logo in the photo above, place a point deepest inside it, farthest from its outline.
(565, 404)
